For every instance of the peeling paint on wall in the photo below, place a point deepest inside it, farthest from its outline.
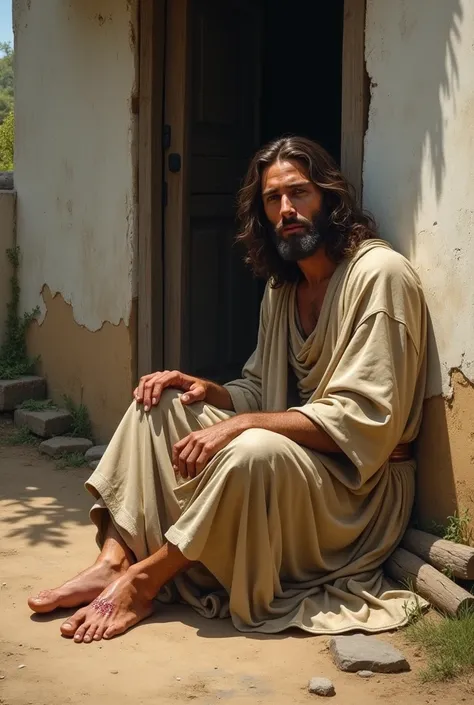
(75, 166)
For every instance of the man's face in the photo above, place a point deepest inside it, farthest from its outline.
(293, 206)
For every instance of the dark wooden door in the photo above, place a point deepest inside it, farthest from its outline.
(220, 298)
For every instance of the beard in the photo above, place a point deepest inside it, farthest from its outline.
(301, 245)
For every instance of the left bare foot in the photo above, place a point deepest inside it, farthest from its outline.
(120, 606)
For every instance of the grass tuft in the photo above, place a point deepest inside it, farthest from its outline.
(21, 437)
(38, 405)
(71, 460)
(448, 643)
(81, 426)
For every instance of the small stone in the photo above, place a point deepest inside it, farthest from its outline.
(365, 653)
(365, 674)
(114, 672)
(178, 678)
(95, 453)
(45, 424)
(94, 464)
(21, 666)
(2, 678)
(15, 391)
(321, 686)
(57, 446)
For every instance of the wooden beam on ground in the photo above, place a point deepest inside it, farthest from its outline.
(439, 590)
(442, 554)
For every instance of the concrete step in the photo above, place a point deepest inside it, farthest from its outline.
(14, 392)
(59, 445)
(44, 424)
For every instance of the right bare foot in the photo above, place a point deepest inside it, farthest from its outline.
(81, 590)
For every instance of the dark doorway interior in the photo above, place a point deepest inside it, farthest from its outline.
(261, 69)
(302, 70)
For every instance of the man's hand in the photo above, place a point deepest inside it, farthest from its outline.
(191, 454)
(151, 388)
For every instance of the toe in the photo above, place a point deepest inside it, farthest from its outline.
(89, 635)
(45, 601)
(99, 634)
(81, 632)
(70, 626)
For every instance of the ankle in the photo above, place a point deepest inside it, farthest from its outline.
(120, 564)
(142, 582)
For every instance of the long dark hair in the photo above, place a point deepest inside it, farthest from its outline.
(348, 223)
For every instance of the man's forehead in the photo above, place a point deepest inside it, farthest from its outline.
(283, 173)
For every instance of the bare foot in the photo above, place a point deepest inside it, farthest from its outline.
(120, 606)
(81, 590)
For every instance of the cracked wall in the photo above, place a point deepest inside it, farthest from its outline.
(75, 175)
(418, 181)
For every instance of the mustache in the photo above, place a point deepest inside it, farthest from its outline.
(297, 220)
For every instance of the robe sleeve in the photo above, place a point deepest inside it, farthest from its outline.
(246, 393)
(367, 402)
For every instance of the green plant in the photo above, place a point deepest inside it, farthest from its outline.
(38, 405)
(14, 360)
(413, 610)
(21, 437)
(7, 142)
(71, 460)
(81, 426)
(449, 645)
(458, 528)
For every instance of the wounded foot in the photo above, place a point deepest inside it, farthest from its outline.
(120, 606)
(81, 590)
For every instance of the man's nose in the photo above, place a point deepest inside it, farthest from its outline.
(286, 207)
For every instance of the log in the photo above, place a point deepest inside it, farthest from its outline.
(428, 582)
(442, 554)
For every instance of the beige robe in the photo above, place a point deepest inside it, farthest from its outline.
(284, 536)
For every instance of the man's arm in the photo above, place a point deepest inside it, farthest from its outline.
(191, 454)
(295, 426)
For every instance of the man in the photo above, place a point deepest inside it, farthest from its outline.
(276, 498)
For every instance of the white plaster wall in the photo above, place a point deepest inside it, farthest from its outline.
(419, 160)
(7, 240)
(74, 168)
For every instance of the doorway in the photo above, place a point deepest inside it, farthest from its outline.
(234, 76)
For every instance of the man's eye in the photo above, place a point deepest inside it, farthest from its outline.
(274, 197)
(299, 191)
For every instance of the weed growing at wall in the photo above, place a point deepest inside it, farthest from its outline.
(14, 360)
(81, 426)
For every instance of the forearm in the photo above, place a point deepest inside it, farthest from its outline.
(218, 396)
(295, 426)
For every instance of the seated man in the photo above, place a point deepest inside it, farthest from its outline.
(276, 498)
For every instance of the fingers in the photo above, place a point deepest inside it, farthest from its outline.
(197, 392)
(151, 387)
(191, 455)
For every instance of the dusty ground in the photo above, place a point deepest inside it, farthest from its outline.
(175, 657)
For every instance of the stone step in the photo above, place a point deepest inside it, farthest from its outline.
(59, 445)
(95, 453)
(14, 392)
(44, 424)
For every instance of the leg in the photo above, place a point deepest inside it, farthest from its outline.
(114, 560)
(128, 600)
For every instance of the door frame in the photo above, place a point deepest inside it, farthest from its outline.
(163, 233)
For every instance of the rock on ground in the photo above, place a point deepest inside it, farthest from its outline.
(15, 391)
(365, 674)
(95, 453)
(56, 447)
(366, 653)
(321, 686)
(93, 464)
(45, 424)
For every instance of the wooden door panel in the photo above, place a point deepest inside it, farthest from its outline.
(222, 296)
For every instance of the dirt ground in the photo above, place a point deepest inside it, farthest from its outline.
(175, 657)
